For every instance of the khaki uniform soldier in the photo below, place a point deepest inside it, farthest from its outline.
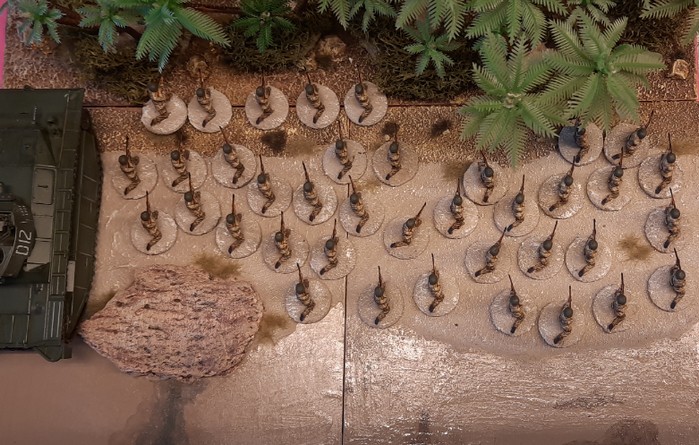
(358, 208)
(149, 221)
(230, 155)
(160, 98)
(393, 157)
(565, 318)
(302, 293)
(192, 200)
(564, 189)
(590, 251)
(667, 166)
(265, 188)
(672, 221)
(515, 307)
(262, 94)
(408, 230)
(310, 195)
(281, 242)
(487, 175)
(618, 306)
(435, 287)
(362, 97)
(233, 220)
(456, 209)
(581, 140)
(330, 251)
(313, 96)
(177, 159)
(614, 182)
(381, 299)
(678, 280)
(635, 139)
(518, 208)
(204, 99)
(127, 164)
(544, 252)
(491, 257)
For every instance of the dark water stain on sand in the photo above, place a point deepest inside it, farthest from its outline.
(627, 432)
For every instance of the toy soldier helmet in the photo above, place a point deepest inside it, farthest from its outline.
(340, 144)
(354, 198)
(592, 244)
(359, 88)
(300, 288)
(260, 92)
(378, 291)
(175, 155)
(189, 196)
(308, 187)
(494, 249)
(279, 237)
(621, 299)
(568, 180)
(675, 213)
(514, 300)
(123, 160)
(410, 222)
(330, 244)
(488, 172)
(309, 89)
(641, 133)
(519, 199)
(152, 87)
(145, 216)
(680, 275)
(670, 158)
(433, 279)
(393, 148)
(547, 244)
(568, 312)
(458, 200)
(227, 149)
(618, 172)
(200, 92)
(230, 218)
(261, 178)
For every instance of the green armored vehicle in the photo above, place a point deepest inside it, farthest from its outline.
(50, 191)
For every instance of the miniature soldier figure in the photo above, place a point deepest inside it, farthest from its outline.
(434, 287)
(381, 299)
(566, 318)
(618, 306)
(672, 221)
(491, 257)
(635, 139)
(563, 189)
(590, 251)
(233, 226)
(265, 188)
(281, 241)
(518, 208)
(127, 164)
(330, 250)
(614, 181)
(487, 175)
(313, 96)
(357, 206)
(667, 166)
(230, 155)
(310, 195)
(160, 98)
(149, 221)
(362, 97)
(262, 94)
(192, 200)
(177, 159)
(342, 154)
(457, 210)
(393, 157)
(303, 296)
(409, 227)
(580, 140)
(203, 94)
(544, 252)
(516, 308)
(678, 280)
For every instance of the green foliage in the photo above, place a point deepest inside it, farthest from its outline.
(430, 48)
(35, 15)
(597, 77)
(657, 34)
(372, 8)
(261, 18)
(451, 14)
(670, 8)
(340, 9)
(108, 15)
(512, 17)
(596, 9)
(511, 103)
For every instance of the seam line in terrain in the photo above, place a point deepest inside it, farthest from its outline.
(344, 358)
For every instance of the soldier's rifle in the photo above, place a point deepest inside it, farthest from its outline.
(672, 199)
(485, 160)
(622, 284)
(298, 267)
(420, 212)
(148, 205)
(677, 260)
(555, 226)
(305, 172)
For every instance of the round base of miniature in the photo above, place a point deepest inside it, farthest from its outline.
(604, 314)
(327, 197)
(306, 112)
(349, 219)
(282, 198)
(332, 167)
(280, 110)
(299, 253)
(550, 326)
(196, 165)
(168, 230)
(368, 309)
(575, 260)
(598, 189)
(221, 105)
(616, 140)
(423, 297)
(409, 165)
(212, 212)
(443, 219)
(178, 116)
(657, 233)
(147, 173)
(649, 178)
(473, 187)
(503, 216)
(394, 233)
(502, 318)
(377, 99)
(251, 238)
(224, 173)
(662, 294)
(321, 296)
(569, 149)
(346, 259)
(475, 261)
(528, 255)
(548, 196)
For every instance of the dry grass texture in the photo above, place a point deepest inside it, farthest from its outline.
(217, 266)
(635, 248)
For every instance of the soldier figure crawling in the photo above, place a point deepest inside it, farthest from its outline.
(381, 299)
(634, 140)
(265, 188)
(313, 96)
(678, 280)
(230, 155)
(127, 164)
(515, 307)
(357, 206)
(233, 220)
(487, 175)
(262, 94)
(360, 93)
(408, 229)
(160, 98)
(672, 221)
(302, 293)
(149, 221)
(618, 306)
(342, 154)
(590, 251)
(518, 208)
(563, 190)
(192, 200)
(435, 287)
(177, 159)
(565, 318)
(581, 141)
(544, 252)
(456, 209)
(310, 195)
(281, 242)
(491, 258)
(330, 251)
(393, 156)
(614, 181)
(205, 102)
(667, 166)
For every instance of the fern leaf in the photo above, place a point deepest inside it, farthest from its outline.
(201, 25)
(410, 11)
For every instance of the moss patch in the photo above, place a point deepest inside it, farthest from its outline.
(217, 266)
(634, 248)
